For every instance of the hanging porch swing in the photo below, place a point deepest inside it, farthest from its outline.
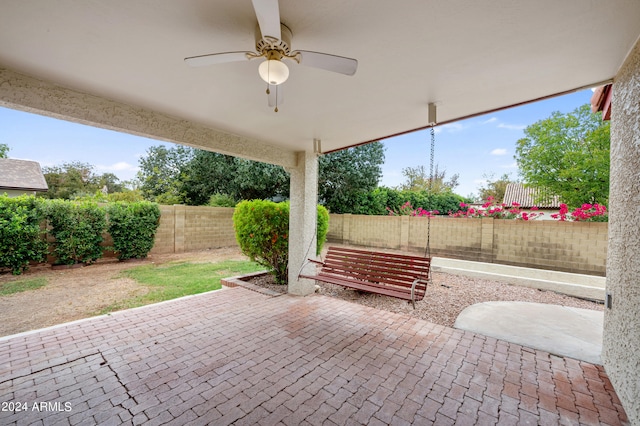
(401, 276)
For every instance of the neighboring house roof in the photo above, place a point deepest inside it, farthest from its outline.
(526, 196)
(21, 175)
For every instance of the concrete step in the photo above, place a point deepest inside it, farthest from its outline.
(578, 285)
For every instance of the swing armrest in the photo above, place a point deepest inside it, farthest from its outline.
(413, 287)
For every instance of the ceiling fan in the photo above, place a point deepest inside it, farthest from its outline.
(273, 42)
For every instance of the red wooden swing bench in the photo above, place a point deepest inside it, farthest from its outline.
(401, 276)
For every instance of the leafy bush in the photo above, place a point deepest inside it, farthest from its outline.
(322, 228)
(221, 200)
(497, 211)
(128, 195)
(133, 228)
(585, 213)
(77, 228)
(381, 200)
(21, 236)
(262, 230)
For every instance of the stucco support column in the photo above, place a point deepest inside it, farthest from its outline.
(302, 221)
(621, 337)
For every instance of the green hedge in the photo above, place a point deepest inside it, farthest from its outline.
(21, 233)
(132, 227)
(262, 231)
(377, 201)
(77, 228)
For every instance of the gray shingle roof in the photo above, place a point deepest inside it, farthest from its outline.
(526, 196)
(21, 175)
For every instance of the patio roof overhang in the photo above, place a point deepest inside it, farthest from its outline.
(467, 57)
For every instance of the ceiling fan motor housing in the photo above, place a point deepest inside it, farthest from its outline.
(265, 44)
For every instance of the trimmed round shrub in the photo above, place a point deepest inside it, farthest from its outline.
(21, 234)
(262, 231)
(132, 227)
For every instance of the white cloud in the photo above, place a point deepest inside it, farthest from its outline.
(491, 120)
(499, 151)
(118, 167)
(511, 126)
(450, 128)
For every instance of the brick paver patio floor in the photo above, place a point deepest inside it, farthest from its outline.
(240, 357)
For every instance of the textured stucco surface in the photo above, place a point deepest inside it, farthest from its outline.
(621, 345)
(302, 222)
(28, 94)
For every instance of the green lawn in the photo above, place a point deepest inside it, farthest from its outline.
(173, 280)
(22, 285)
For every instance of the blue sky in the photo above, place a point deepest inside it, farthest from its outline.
(472, 148)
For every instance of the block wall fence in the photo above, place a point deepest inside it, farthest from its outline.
(578, 247)
(188, 228)
(563, 246)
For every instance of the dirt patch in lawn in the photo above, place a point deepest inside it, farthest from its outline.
(72, 294)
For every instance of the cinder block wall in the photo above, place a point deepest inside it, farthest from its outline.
(189, 228)
(207, 227)
(563, 246)
(165, 234)
(571, 247)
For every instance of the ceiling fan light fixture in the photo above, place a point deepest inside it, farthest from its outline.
(273, 71)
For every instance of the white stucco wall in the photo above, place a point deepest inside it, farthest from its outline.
(621, 345)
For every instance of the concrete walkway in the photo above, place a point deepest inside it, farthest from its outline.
(578, 285)
(239, 357)
(560, 330)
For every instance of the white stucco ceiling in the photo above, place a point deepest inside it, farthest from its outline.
(466, 56)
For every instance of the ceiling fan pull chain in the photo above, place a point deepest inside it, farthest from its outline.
(276, 110)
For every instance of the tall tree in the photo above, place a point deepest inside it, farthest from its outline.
(568, 155)
(77, 179)
(210, 173)
(418, 179)
(162, 171)
(495, 187)
(193, 176)
(110, 182)
(70, 180)
(4, 150)
(345, 177)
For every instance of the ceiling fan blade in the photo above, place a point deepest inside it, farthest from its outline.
(275, 97)
(339, 64)
(268, 14)
(216, 58)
